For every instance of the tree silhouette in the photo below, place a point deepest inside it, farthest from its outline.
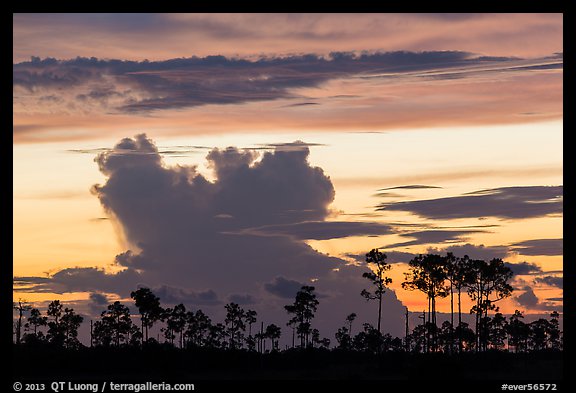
(273, 332)
(55, 332)
(427, 274)
(251, 319)
(538, 334)
(102, 334)
(197, 328)
(175, 319)
(343, 338)
(452, 275)
(63, 327)
(467, 337)
(370, 340)
(149, 307)
(21, 306)
(317, 341)
(235, 322)
(458, 278)
(260, 337)
(483, 280)
(216, 336)
(35, 320)
(116, 321)
(497, 331)
(554, 335)
(377, 261)
(350, 318)
(303, 309)
(517, 332)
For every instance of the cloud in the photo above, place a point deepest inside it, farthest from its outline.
(242, 299)
(523, 268)
(555, 299)
(409, 187)
(529, 300)
(323, 230)
(550, 247)
(97, 302)
(132, 35)
(388, 195)
(298, 145)
(481, 251)
(80, 279)
(553, 281)
(173, 295)
(433, 236)
(99, 299)
(506, 203)
(126, 86)
(283, 287)
(182, 248)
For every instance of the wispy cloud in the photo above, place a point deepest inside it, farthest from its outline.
(505, 203)
(132, 86)
(433, 236)
(553, 281)
(322, 230)
(409, 187)
(549, 247)
(244, 34)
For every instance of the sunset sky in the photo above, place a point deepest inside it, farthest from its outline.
(235, 157)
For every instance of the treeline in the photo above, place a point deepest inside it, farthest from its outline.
(436, 276)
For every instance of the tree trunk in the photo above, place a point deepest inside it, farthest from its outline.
(379, 312)
(19, 326)
(451, 318)
(459, 321)
(434, 323)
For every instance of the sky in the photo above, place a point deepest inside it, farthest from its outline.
(236, 157)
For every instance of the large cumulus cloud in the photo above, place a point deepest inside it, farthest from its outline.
(204, 242)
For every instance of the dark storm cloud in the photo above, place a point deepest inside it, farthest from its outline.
(190, 239)
(505, 203)
(133, 86)
(551, 280)
(549, 247)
